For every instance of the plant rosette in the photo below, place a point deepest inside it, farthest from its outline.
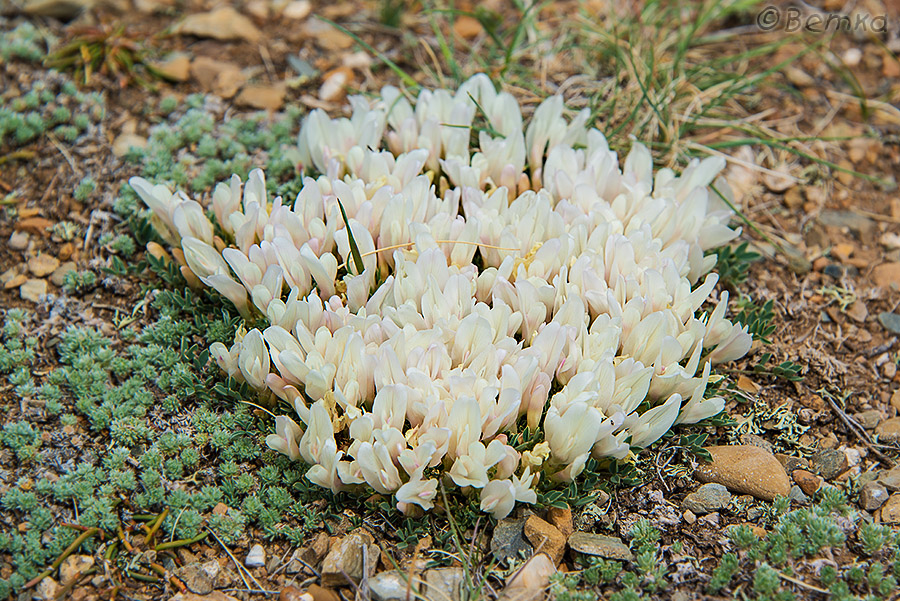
(451, 277)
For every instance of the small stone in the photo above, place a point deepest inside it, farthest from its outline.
(890, 321)
(333, 84)
(59, 9)
(74, 566)
(219, 77)
(467, 27)
(889, 430)
(220, 509)
(797, 495)
(851, 57)
(268, 98)
(808, 482)
(58, 277)
(689, 517)
(392, 586)
(508, 541)
(36, 225)
(756, 440)
(199, 578)
(176, 67)
(221, 24)
(125, 142)
(347, 559)
(829, 463)
(791, 463)
(860, 225)
(9, 275)
(18, 240)
(887, 276)
(868, 419)
(890, 513)
(66, 251)
(561, 519)
(890, 479)
(834, 271)
(545, 538)
(858, 311)
(707, 498)
(778, 180)
(895, 400)
(290, 593)
(42, 265)
(872, 495)
(46, 590)
(531, 579)
(598, 545)
(746, 469)
(445, 584)
(256, 558)
(299, 9)
(32, 290)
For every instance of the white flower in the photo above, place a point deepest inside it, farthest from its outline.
(492, 273)
(287, 432)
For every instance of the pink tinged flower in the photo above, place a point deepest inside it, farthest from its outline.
(203, 259)
(417, 492)
(226, 200)
(378, 468)
(498, 497)
(253, 359)
(227, 359)
(287, 433)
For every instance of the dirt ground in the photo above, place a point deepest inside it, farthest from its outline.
(823, 211)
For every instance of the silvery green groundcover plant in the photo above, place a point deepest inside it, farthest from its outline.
(453, 275)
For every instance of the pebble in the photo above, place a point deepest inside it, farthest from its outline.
(176, 67)
(221, 24)
(531, 579)
(872, 495)
(746, 469)
(74, 566)
(689, 517)
(834, 271)
(32, 290)
(797, 495)
(829, 463)
(46, 590)
(126, 141)
(868, 419)
(608, 547)
(890, 479)
(391, 586)
(890, 321)
(885, 276)
(18, 241)
(344, 563)
(42, 265)
(256, 558)
(707, 498)
(890, 513)
(889, 430)
(299, 9)
(791, 463)
(267, 98)
(545, 538)
(333, 84)
(444, 583)
(60, 9)
(858, 224)
(58, 277)
(467, 27)
(561, 519)
(219, 77)
(199, 578)
(508, 541)
(808, 482)
(852, 57)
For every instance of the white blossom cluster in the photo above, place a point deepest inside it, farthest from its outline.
(493, 276)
